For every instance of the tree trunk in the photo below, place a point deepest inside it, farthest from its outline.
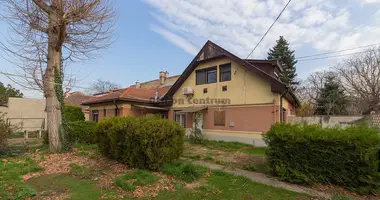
(53, 107)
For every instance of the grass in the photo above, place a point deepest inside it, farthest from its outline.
(129, 181)
(185, 171)
(77, 189)
(12, 185)
(340, 197)
(79, 170)
(221, 185)
(250, 168)
(86, 147)
(208, 157)
(234, 146)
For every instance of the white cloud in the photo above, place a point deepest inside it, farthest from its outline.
(176, 40)
(238, 25)
(369, 1)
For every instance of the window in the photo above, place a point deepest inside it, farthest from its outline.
(95, 115)
(180, 118)
(283, 117)
(104, 113)
(116, 112)
(224, 88)
(204, 76)
(219, 118)
(225, 72)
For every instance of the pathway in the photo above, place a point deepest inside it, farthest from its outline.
(261, 178)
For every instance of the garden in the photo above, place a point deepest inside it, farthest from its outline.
(148, 158)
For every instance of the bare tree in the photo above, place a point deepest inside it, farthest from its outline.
(360, 76)
(102, 86)
(47, 32)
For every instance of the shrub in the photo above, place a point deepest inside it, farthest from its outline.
(82, 132)
(185, 171)
(73, 113)
(5, 130)
(310, 154)
(143, 142)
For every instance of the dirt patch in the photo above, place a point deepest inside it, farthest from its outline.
(192, 151)
(163, 183)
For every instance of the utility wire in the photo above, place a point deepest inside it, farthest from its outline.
(269, 29)
(326, 57)
(343, 50)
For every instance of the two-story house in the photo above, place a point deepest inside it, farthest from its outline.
(237, 99)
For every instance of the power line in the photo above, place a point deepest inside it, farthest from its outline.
(343, 50)
(269, 29)
(326, 57)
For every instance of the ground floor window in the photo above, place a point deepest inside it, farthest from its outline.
(180, 118)
(95, 115)
(219, 118)
(283, 117)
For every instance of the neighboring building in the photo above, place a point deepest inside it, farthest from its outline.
(26, 114)
(164, 80)
(238, 99)
(76, 99)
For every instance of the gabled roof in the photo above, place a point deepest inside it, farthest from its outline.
(128, 94)
(212, 51)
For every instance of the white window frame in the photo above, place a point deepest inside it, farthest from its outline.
(182, 119)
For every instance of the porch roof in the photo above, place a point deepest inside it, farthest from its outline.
(150, 107)
(191, 109)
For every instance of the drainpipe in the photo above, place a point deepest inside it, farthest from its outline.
(282, 96)
(117, 108)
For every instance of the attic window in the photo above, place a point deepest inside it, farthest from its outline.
(204, 76)
(225, 72)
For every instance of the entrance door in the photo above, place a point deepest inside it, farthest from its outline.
(200, 121)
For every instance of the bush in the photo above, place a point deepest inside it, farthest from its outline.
(5, 130)
(310, 154)
(82, 132)
(143, 142)
(73, 113)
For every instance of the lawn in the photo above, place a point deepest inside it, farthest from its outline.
(229, 154)
(84, 174)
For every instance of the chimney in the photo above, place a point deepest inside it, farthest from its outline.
(67, 92)
(138, 85)
(166, 75)
(162, 77)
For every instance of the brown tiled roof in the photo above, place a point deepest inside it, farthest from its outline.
(76, 98)
(128, 94)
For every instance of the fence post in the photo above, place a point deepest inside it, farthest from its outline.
(26, 135)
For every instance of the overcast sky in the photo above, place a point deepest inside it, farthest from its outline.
(156, 35)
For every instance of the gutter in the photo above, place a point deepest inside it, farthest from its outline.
(282, 96)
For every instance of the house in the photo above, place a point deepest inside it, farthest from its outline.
(237, 99)
(25, 114)
(76, 99)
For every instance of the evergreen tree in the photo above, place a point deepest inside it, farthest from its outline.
(331, 99)
(8, 91)
(285, 55)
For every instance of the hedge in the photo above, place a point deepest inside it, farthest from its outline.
(310, 154)
(73, 113)
(82, 132)
(78, 132)
(142, 142)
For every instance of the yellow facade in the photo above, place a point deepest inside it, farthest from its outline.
(244, 88)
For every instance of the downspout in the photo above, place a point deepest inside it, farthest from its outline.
(117, 108)
(282, 96)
